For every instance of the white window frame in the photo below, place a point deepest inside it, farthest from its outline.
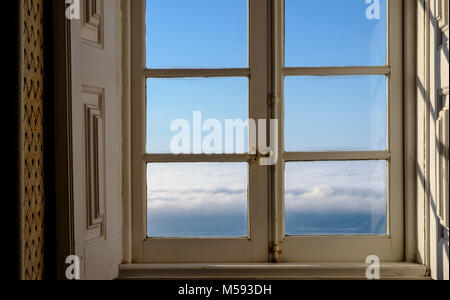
(270, 203)
(196, 250)
(389, 247)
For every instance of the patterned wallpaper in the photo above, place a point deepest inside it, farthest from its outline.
(33, 177)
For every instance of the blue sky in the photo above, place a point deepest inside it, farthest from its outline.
(321, 113)
(197, 33)
(334, 33)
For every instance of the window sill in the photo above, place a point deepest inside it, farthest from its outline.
(269, 271)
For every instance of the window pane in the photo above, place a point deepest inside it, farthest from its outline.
(170, 100)
(347, 113)
(336, 198)
(197, 200)
(335, 33)
(197, 33)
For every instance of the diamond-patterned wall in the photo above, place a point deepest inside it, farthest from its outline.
(33, 205)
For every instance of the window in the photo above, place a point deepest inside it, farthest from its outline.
(328, 72)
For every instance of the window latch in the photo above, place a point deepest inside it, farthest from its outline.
(255, 158)
(275, 251)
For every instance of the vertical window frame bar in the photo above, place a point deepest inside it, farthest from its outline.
(154, 250)
(395, 177)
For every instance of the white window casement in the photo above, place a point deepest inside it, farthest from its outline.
(268, 240)
(166, 250)
(390, 246)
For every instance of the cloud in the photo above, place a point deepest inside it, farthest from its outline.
(217, 188)
(336, 187)
(326, 199)
(196, 201)
(197, 189)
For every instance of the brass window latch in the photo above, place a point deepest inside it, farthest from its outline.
(255, 158)
(275, 251)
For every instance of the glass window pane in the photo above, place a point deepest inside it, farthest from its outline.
(170, 100)
(335, 33)
(336, 198)
(347, 113)
(197, 33)
(197, 200)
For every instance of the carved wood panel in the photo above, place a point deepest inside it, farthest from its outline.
(442, 125)
(442, 12)
(94, 138)
(443, 161)
(92, 16)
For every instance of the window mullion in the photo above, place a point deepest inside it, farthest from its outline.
(277, 198)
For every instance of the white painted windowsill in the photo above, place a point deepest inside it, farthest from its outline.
(269, 271)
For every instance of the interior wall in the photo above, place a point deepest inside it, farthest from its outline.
(432, 139)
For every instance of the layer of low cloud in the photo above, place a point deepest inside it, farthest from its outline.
(221, 189)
